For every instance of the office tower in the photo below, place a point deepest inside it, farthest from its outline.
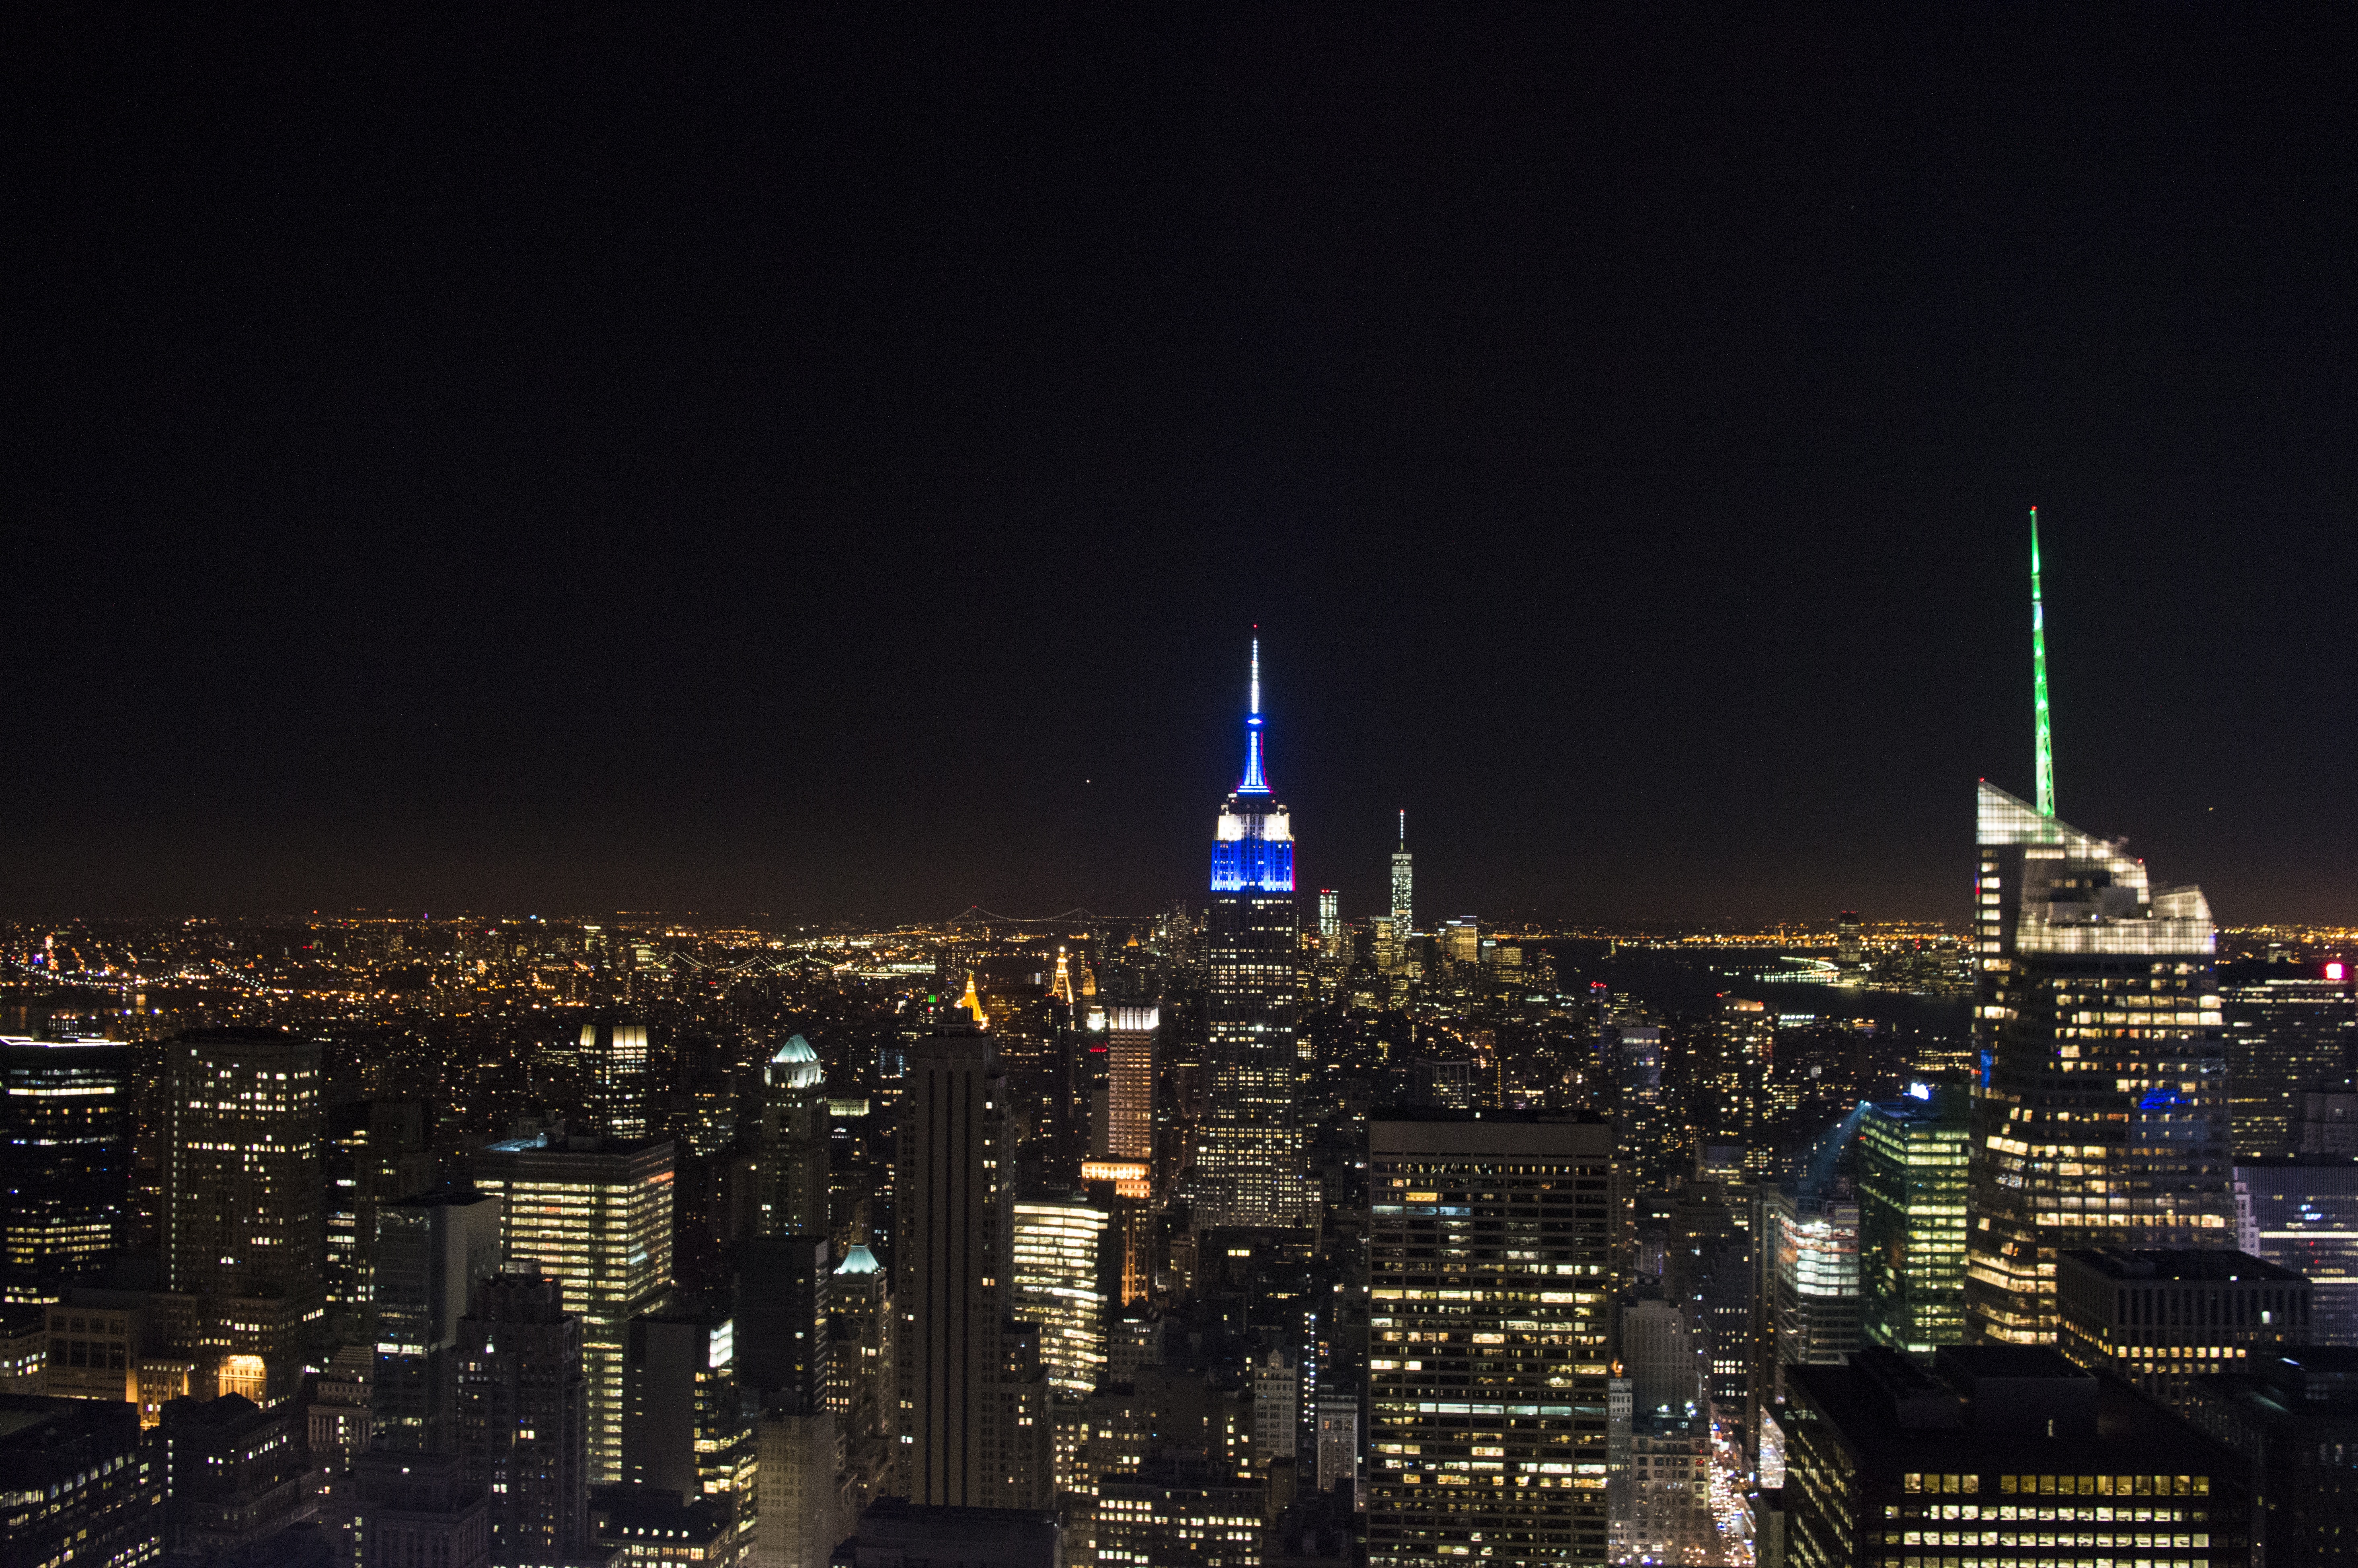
(861, 1388)
(783, 1304)
(1442, 1085)
(523, 1416)
(951, 1207)
(786, 1360)
(245, 1221)
(1489, 1311)
(1336, 1442)
(794, 1142)
(430, 1254)
(2000, 1453)
(1812, 1238)
(1250, 1166)
(377, 1152)
(421, 1510)
(235, 1476)
(1735, 1080)
(2102, 1119)
(1849, 949)
(1173, 1511)
(1645, 1141)
(616, 1057)
(595, 1215)
(1276, 1410)
(1403, 886)
(1461, 941)
(242, 1206)
(2291, 1028)
(2158, 1321)
(2293, 1418)
(65, 1161)
(80, 1487)
(1059, 1275)
(1330, 918)
(1911, 1218)
(2303, 1216)
(1130, 1082)
(1709, 1270)
(684, 1427)
(1658, 1348)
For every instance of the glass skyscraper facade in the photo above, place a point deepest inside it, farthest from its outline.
(1912, 1219)
(1250, 1164)
(2290, 1030)
(2101, 1118)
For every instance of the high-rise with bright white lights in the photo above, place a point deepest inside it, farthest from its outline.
(2103, 1118)
(1403, 886)
(616, 1055)
(1250, 1167)
(1130, 1082)
(1059, 1287)
(65, 1160)
(595, 1215)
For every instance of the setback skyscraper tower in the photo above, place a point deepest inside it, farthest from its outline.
(2102, 1119)
(1249, 1166)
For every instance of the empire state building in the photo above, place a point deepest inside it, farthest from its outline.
(1248, 1167)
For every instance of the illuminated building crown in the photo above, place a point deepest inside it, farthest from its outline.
(1252, 842)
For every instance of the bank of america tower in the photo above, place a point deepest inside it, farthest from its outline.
(1249, 1166)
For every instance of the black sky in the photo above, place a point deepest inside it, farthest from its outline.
(656, 458)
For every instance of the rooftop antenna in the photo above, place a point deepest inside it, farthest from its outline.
(2039, 679)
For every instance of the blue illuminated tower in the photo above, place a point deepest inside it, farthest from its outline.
(1249, 1168)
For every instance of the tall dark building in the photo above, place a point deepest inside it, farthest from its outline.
(522, 1417)
(80, 1485)
(2102, 1117)
(1250, 1168)
(2290, 1030)
(430, 1253)
(2293, 1418)
(952, 1216)
(65, 1161)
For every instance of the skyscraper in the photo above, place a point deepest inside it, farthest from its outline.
(1403, 886)
(685, 1429)
(430, 1254)
(2103, 1118)
(245, 1205)
(1059, 1286)
(65, 1160)
(1489, 1311)
(616, 1055)
(243, 1208)
(1129, 1074)
(794, 1142)
(2290, 1030)
(952, 1192)
(1250, 1167)
(595, 1215)
(1912, 1219)
(523, 1416)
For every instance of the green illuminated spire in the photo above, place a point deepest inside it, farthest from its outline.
(2039, 679)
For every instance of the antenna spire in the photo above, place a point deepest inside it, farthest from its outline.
(2039, 679)
(1254, 784)
(1403, 826)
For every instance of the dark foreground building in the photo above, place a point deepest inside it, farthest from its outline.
(2001, 1457)
(2294, 1418)
(76, 1485)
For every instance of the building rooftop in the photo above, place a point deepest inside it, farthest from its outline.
(2159, 1264)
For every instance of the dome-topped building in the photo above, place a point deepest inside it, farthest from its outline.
(794, 1142)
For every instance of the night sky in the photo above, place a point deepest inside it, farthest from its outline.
(831, 466)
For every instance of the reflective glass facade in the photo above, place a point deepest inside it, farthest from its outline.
(1911, 1218)
(2102, 1114)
